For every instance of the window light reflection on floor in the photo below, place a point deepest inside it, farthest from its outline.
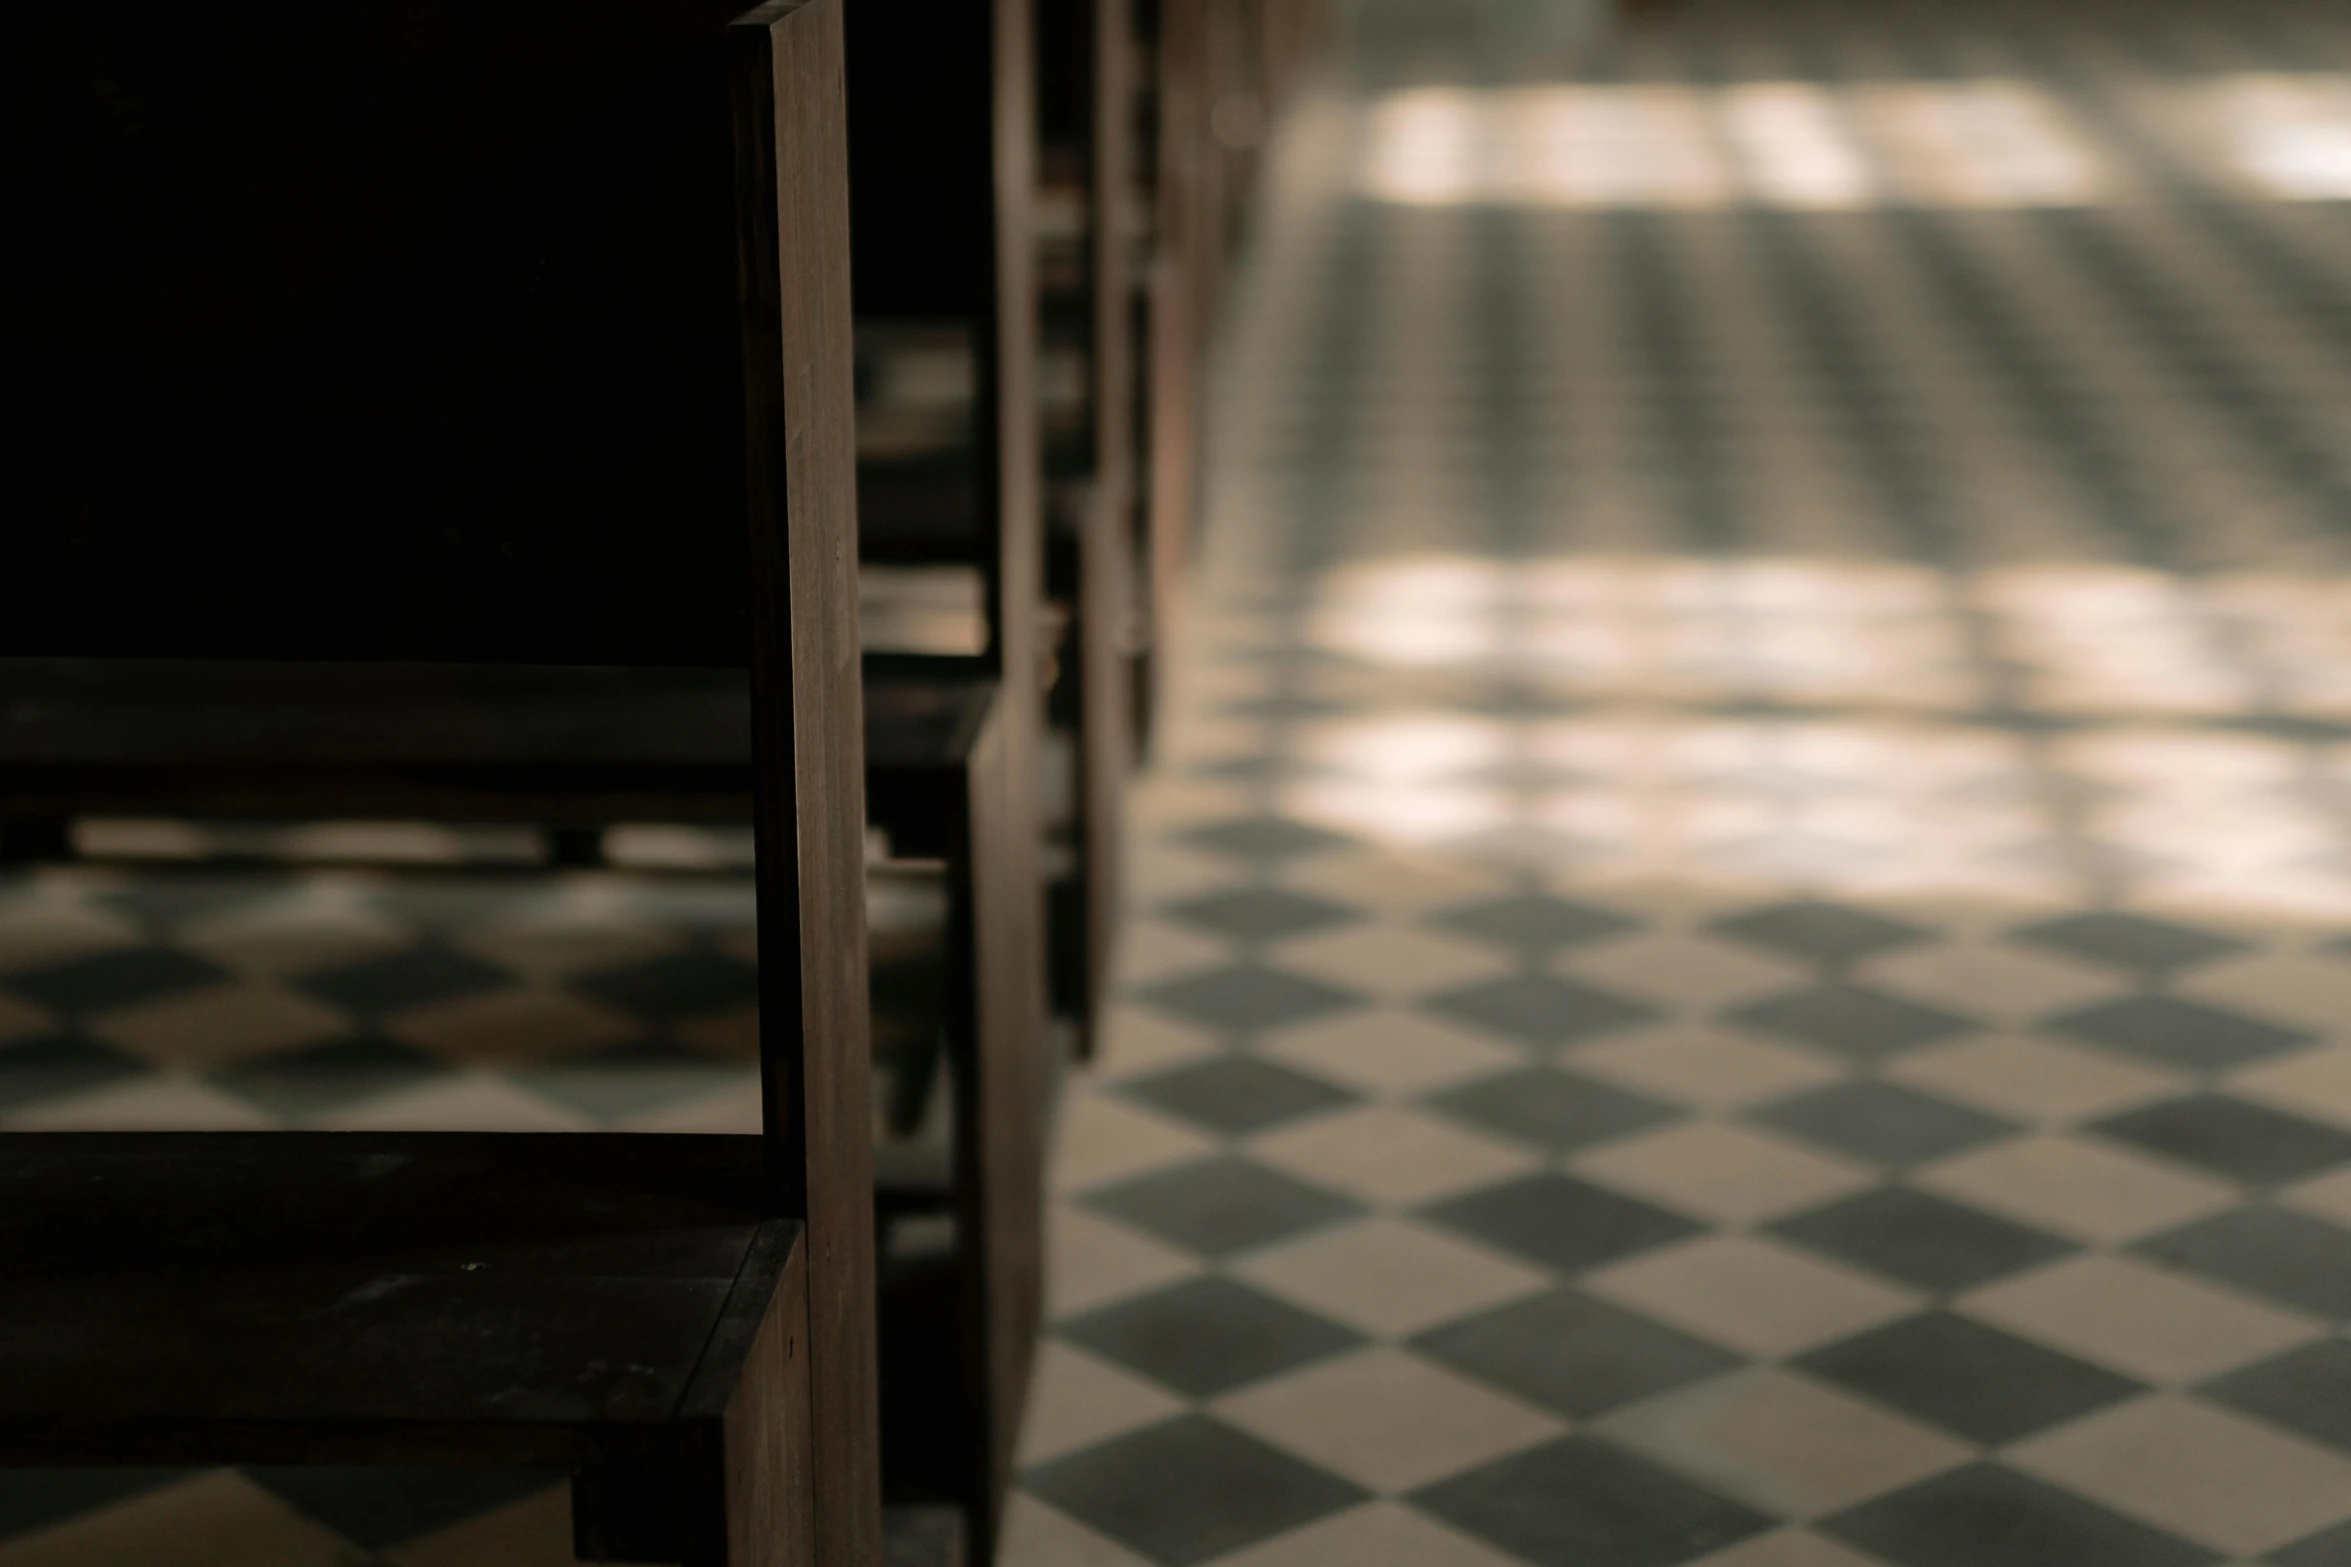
(1792, 146)
(2290, 134)
(2135, 681)
(2084, 641)
(1992, 142)
(1872, 804)
(1987, 142)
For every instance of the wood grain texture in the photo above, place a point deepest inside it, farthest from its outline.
(791, 120)
(1004, 1112)
(768, 1444)
(1002, 1116)
(730, 1479)
(348, 1297)
(955, 1400)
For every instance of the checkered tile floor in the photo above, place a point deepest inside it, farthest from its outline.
(264, 998)
(1741, 954)
(1743, 934)
(471, 995)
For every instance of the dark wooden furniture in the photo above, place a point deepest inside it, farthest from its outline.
(950, 479)
(543, 743)
(626, 1307)
(950, 473)
(481, 337)
(1175, 169)
(1214, 76)
(1087, 244)
(632, 706)
(960, 1319)
(942, 173)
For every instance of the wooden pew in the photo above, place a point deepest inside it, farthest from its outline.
(604, 737)
(1041, 353)
(960, 1317)
(1215, 76)
(1087, 114)
(462, 337)
(1176, 179)
(636, 720)
(943, 188)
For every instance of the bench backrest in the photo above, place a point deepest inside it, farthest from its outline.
(395, 330)
(942, 143)
(491, 331)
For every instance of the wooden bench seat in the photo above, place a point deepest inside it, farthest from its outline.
(260, 740)
(365, 339)
(548, 744)
(599, 745)
(612, 1305)
(256, 740)
(1086, 117)
(275, 1297)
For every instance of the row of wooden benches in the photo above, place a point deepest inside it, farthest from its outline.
(609, 412)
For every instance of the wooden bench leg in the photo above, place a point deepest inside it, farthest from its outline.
(1002, 1105)
(756, 1470)
(731, 1485)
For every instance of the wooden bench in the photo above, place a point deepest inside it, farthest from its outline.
(950, 479)
(1173, 280)
(487, 340)
(1216, 75)
(1086, 125)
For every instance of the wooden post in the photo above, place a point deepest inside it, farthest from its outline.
(792, 164)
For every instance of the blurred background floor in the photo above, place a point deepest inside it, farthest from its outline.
(1742, 950)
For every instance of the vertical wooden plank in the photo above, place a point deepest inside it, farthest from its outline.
(792, 164)
(741, 1480)
(1007, 827)
(1007, 822)
(1011, 401)
(1106, 562)
(1000, 1142)
(1176, 304)
(1233, 110)
(768, 1439)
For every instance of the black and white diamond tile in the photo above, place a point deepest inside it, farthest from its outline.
(1964, 1377)
(260, 997)
(1873, 1067)
(1988, 1515)
(1207, 1335)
